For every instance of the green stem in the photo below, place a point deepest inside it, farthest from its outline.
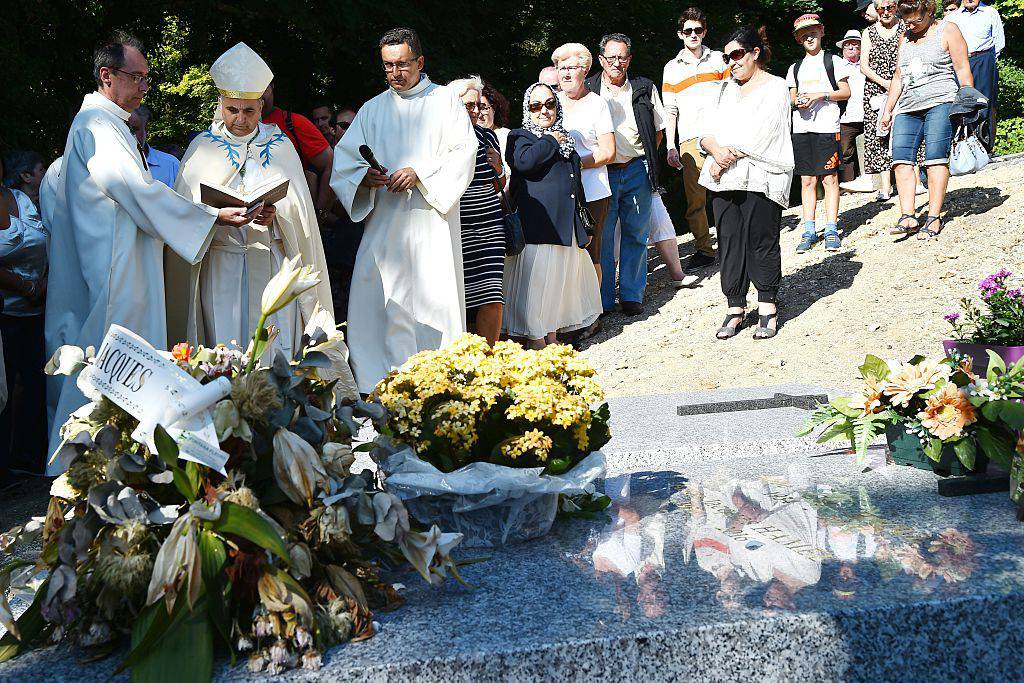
(255, 341)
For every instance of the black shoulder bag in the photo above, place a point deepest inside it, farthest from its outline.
(515, 238)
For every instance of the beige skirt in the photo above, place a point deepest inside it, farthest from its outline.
(549, 288)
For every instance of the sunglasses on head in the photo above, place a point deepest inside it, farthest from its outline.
(737, 54)
(548, 104)
(690, 31)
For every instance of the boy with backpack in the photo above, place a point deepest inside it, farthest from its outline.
(819, 89)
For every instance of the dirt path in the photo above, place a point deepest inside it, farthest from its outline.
(872, 296)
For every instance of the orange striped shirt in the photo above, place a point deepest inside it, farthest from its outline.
(688, 86)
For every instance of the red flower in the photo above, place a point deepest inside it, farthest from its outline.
(182, 352)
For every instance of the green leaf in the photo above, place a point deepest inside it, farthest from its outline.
(241, 521)
(166, 446)
(933, 449)
(917, 360)
(183, 484)
(997, 445)
(996, 366)
(185, 651)
(837, 431)
(874, 368)
(842, 405)
(213, 556)
(364, 447)
(31, 625)
(1010, 412)
(966, 450)
(195, 476)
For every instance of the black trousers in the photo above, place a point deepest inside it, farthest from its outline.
(748, 245)
(23, 421)
(848, 133)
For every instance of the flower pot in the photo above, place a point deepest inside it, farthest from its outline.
(490, 505)
(979, 353)
(906, 449)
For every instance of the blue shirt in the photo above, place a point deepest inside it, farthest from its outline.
(162, 165)
(982, 28)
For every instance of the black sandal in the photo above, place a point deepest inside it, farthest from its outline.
(763, 331)
(727, 331)
(927, 233)
(900, 229)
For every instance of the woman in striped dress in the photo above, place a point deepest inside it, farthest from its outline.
(483, 233)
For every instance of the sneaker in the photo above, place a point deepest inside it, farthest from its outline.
(861, 184)
(882, 196)
(832, 241)
(699, 261)
(921, 189)
(806, 242)
(687, 281)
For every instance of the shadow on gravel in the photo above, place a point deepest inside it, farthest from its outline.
(814, 282)
(973, 201)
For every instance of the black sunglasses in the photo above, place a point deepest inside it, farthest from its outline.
(690, 31)
(342, 124)
(737, 54)
(535, 107)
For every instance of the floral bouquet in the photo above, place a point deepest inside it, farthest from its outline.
(276, 559)
(943, 403)
(488, 441)
(1003, 321)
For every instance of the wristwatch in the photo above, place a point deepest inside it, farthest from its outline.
(828, 98)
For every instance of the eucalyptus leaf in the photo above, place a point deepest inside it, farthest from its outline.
(316, 414)
(315, 359)
(308, 430)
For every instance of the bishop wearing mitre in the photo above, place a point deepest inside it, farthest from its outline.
(110, 222)
(407, 291)
(220, 296)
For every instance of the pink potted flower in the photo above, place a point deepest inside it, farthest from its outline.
(999, 328)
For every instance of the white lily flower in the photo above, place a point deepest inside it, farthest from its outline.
(338, 459)
(67, 360)
(429, 552)
(392, 519)
(176, 564)
(291, 281)
(7, 619)
(297, 467)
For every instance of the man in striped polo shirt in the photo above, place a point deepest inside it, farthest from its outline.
(690, 84)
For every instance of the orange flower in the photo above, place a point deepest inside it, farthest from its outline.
(910, 380)
(947, 413)
(869, 399)
(182, 352)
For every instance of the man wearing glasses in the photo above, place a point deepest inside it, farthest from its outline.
(343, 118)
(407, 289)
(638, 117)
(111, 222)
(690, 85)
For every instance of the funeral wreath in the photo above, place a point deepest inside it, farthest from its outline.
(262, 542)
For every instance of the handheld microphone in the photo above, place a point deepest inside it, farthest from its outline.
(367, 154)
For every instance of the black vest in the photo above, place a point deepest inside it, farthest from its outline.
(643, 111)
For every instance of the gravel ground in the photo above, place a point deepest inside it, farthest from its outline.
(875, 295)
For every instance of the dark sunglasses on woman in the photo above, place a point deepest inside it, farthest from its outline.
(549, 104)
(737, 54)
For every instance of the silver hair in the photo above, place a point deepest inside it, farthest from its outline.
(463, 85)
(570, 50)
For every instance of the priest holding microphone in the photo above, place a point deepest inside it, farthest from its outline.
(407, 288)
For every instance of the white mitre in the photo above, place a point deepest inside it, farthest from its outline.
(241, 73)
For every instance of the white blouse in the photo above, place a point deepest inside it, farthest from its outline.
(758, 124)
(23, 251)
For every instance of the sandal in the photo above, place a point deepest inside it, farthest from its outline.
(927, 233)
(727, 331)
(763, 331)
(900, 229)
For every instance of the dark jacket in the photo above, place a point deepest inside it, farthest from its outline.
(643, 110)
(544, 189)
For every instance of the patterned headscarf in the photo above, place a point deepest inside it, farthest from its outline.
(569, 145)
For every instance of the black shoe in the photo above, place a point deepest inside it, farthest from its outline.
(632, 308)
(699, 261)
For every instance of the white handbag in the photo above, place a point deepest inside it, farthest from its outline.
(968, 155)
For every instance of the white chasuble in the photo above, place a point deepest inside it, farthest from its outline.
(110, 222)
(218, 300)
(407, 290)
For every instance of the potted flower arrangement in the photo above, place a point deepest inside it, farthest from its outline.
(998, 328)
(486, 439)
(936, 414)
(276, 559)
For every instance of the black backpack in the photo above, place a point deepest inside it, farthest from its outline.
(830, 71)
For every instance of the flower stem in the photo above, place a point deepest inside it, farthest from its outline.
(255, 343)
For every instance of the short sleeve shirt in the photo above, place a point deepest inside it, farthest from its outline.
(310, 140)
(822, 117)
(586, 121)
(628, 145)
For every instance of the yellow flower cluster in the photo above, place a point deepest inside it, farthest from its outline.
(443, 397)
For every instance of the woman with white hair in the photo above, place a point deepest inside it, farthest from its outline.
(483, 233)
(587, 119)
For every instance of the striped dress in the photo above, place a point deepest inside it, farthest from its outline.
(483, 232)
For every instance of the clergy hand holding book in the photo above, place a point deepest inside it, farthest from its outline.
(255, 206)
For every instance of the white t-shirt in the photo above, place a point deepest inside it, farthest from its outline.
(855, 105)
(822, 117)
(586, 120)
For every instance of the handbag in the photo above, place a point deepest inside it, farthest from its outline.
(515, 238)
(968, 155)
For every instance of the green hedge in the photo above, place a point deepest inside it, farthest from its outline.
(1010, 136)
(1011, 90)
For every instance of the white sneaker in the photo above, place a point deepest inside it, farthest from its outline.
(882, 196)
(861, 184)
(687, 281)
(921, 189)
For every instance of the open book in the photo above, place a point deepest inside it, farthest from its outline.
(268, 192)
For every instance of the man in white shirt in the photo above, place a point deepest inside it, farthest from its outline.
(851, 124)
(816, 87)
(690, 84)
(983, 30)
(163, 166)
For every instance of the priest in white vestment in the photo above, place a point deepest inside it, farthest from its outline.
(407, 289)
(219, 297)
(110, 222)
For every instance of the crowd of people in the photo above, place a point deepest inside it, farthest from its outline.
(428, 214)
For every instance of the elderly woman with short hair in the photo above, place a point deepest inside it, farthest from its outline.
(483, 231)
(551, 287)
(24, 172)
(588, 120)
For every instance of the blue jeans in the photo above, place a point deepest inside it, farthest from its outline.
(931, 124)
(630, 206)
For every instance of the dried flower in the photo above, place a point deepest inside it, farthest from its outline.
(245, 497)
(255, 395)
(87, 470)
(338, 459)
(301, 560)
(947, 413)
(177, 565)
(279, 597)
(312, 660)
(243, 644)
(297, 468)
(429, 553)
(229, 423)
(257, 662)
(286, 286)
(125, 562)
(303, 638)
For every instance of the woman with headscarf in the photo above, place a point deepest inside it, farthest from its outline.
(552, 286)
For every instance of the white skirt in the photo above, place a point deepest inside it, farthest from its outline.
(549, 288)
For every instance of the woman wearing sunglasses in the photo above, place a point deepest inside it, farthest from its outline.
(748, 136)
(551, 286)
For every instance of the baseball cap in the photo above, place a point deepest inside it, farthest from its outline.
(805, 21)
